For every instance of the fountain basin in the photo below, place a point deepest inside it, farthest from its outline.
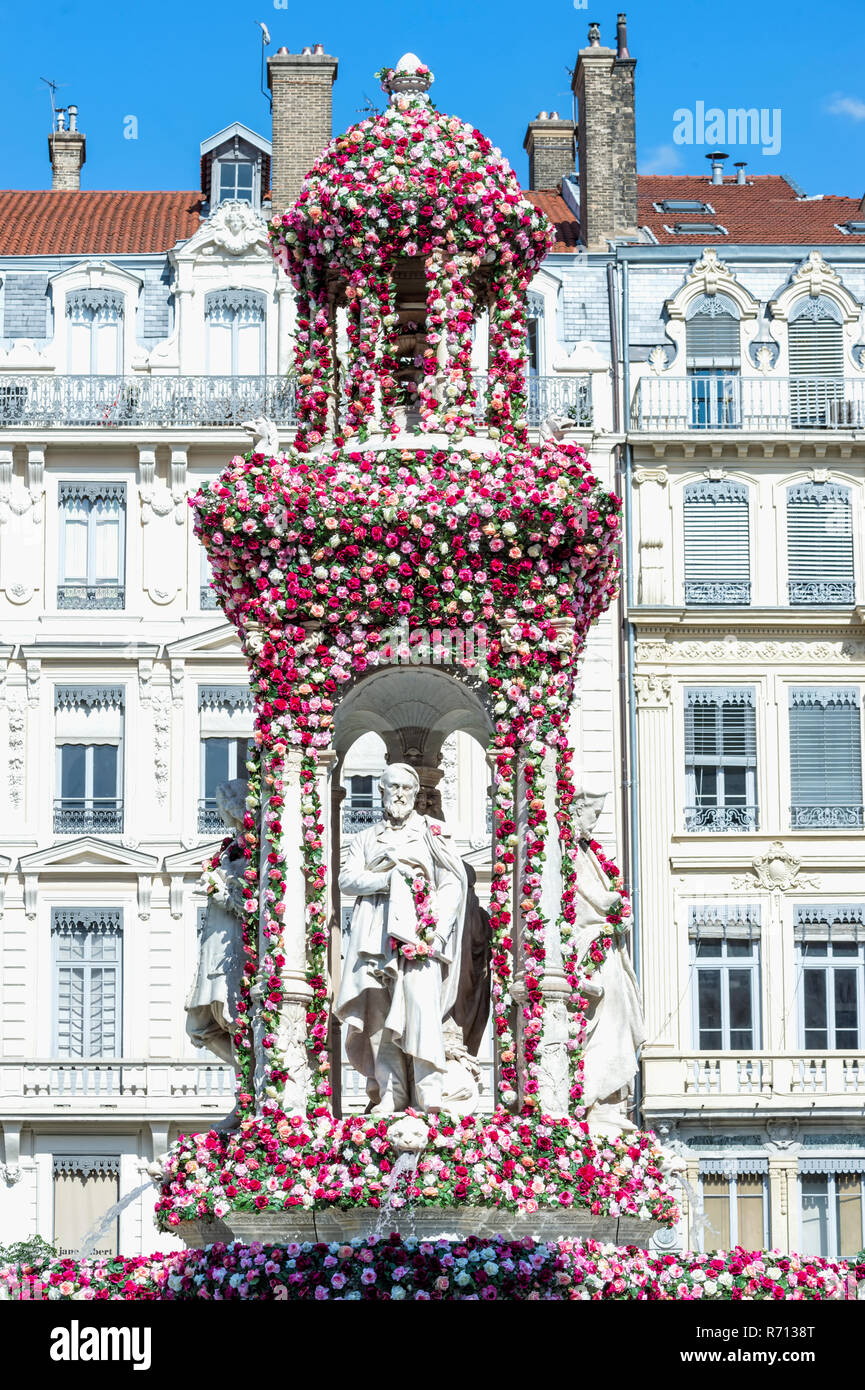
(427, 1223)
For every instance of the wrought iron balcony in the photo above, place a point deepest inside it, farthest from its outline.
(355, 818)
(703, 401)
(568, 397)
(822, 591)
(94, 816)
(91, 596)
(46, 401)
(210, 821)
(719, 595)
(721, 818)
(824, 817)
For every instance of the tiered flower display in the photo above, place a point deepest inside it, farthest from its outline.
(315, 559)
(411, 183)
(395, 1269)
(437, 521)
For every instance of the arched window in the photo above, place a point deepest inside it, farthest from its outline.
(95, 338)
(235, 332)
(717, 543)
(820, 567)
(712, 348)
(816, 349)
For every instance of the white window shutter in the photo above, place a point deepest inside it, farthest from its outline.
(717, 543)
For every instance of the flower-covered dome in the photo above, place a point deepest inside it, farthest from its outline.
(409, 182)
(409, 228)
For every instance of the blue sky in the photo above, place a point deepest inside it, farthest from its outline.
(185, 71)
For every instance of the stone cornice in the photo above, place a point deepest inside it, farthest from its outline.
(753, 447)
(759, 622)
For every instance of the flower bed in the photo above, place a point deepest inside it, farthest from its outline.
(397, 1269)
(517, 1164)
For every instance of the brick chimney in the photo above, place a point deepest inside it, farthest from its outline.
(301, 84)
(66, 150)
(549, 144)
(606, 139)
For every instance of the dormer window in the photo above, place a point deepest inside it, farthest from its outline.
(95, 335)
(235, 167)
(236, 180)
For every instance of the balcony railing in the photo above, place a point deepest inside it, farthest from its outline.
(25, 1083)
(719, 594)
(764, 404)
(128, 401)
(821, 591)
(101, 816)
(720, 818)
(91, 596)
(355, 818)
(116, 402)
(210, 821)
(826, 817)
(696, 1076)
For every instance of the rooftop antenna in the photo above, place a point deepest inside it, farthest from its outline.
(265, 40)
(52, 88)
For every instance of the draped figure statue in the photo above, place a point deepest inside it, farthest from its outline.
(615, 1027)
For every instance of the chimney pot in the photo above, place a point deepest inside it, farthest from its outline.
(66, 150)
(543, 116)
(717, 158)
(319, 48)
(554, 115)
(622, 37)
(740, 168)
(281, 51)
(594, 35)
(306, 52)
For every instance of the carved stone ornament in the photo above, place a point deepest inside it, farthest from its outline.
(653, 692)
(234, 229)
(265, 436)
(782, 1133)
(710, 277)
(815, 278)
(777, 871)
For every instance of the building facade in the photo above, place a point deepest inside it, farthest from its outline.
(702, 339)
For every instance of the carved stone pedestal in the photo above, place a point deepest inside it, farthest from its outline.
(427, 1223)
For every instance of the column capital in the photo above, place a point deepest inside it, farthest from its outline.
(653, 692)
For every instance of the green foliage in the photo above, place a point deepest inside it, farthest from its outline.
(32, 1251)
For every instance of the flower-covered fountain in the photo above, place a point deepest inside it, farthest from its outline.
(412, 499)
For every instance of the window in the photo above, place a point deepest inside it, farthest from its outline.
(820, 544)
(712, 359)
(725, 954)
(95, 338)
(832, 1206)
(815, 340)
(207, 595)
(236, 180)
(534, 333)
(699, 229)
(830, 954)
(225, 713)
(683, 205)
(720, 759)
(86, 1187)
(364, 804)
(235, 332)
(87, 981)
(92, 517)
(717, 543)
(735, 1205)
(825, 758)
(88, 734)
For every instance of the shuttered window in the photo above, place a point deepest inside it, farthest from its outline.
(92, 517)
(720, 759)
(815, 339)
(717, 543)
(712, 359)
(820, 544)
(825, 758)
(87, 989)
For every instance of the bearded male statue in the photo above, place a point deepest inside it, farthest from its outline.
(401, 974)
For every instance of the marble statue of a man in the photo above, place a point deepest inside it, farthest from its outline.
(615, 1028)
(394, 1002)
(211, 1006)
